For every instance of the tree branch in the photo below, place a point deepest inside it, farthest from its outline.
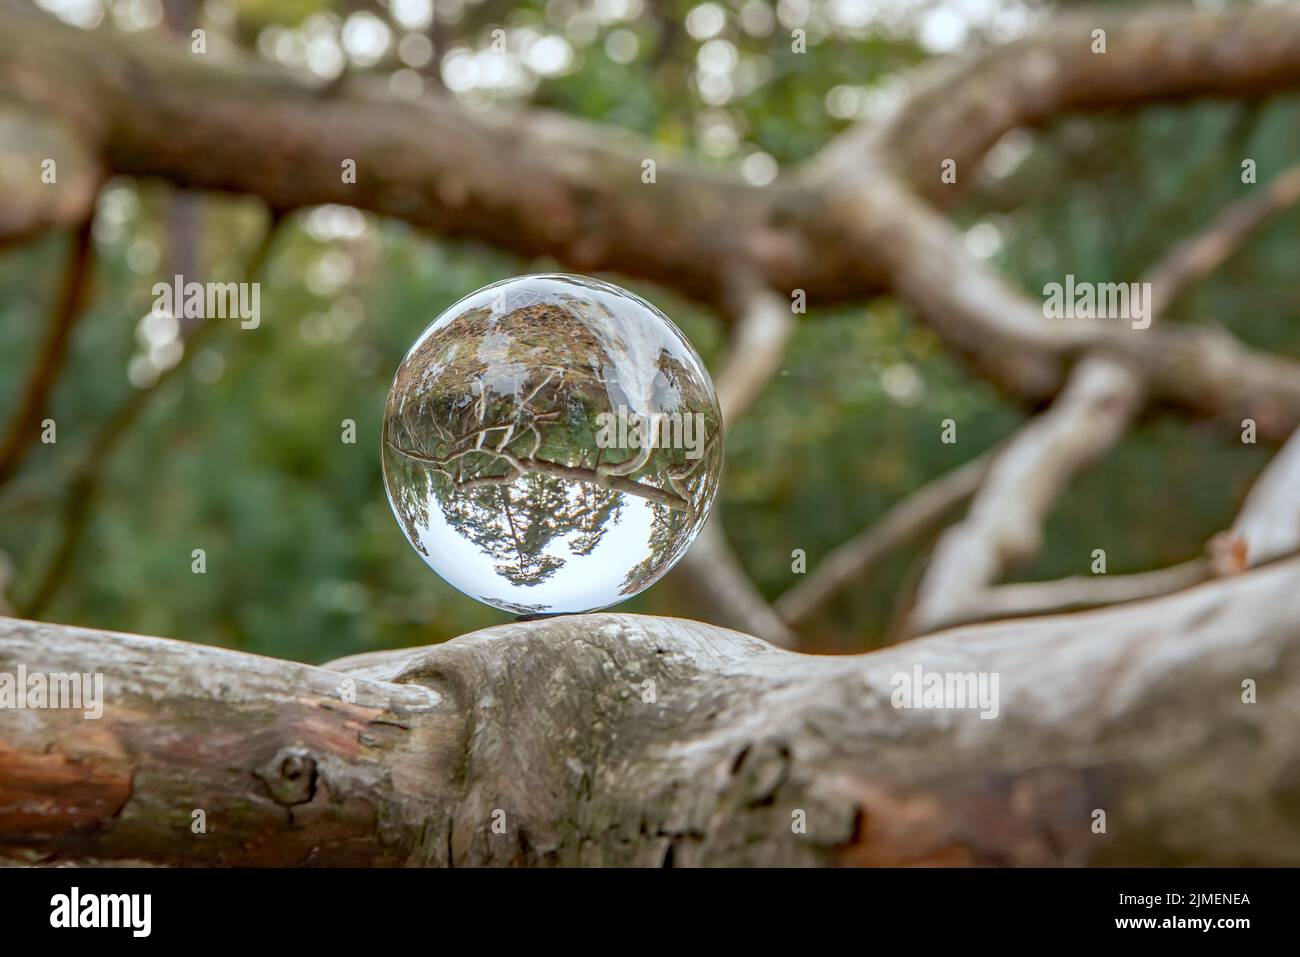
(1266, 529)
(284, 769)
(1100, 400)
(70, 302)
(540, 184)
(1191, 261)
(920, 514)
(1154, 54)
(1023, 599)
(1005, 520)
(669, 742)
(88, 473)
(710, 571)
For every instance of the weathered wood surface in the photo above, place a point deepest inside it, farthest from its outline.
(621, 739)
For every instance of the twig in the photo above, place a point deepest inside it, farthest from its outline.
(919, 514)
(1191, 261)
(1025, 599)
(87, 476)
(762, 328)
(542, 467)
(717, 578)
(765, 322)
(74, 292)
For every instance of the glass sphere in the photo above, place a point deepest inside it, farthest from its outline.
(551, 444)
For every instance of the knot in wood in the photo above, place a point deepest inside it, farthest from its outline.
(290, 776)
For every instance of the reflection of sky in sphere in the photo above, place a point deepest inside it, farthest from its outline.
(594, 581)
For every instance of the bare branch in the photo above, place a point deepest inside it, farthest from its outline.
(757, 345)
(916, 516)
(263, 747)
(1193, 260)
(1267, 528)
(1153, 54)
(1095, 409)
(1024, 599)
(713, 574)
(1005, 520)
(70, 302)
(86, 475)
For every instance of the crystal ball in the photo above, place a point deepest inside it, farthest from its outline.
(551, 444)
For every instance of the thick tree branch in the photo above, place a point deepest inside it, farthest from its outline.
(619, 739)
(1003, 333)
(542, 184)
(283, 766)
(533, 182)
(1155, 54)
